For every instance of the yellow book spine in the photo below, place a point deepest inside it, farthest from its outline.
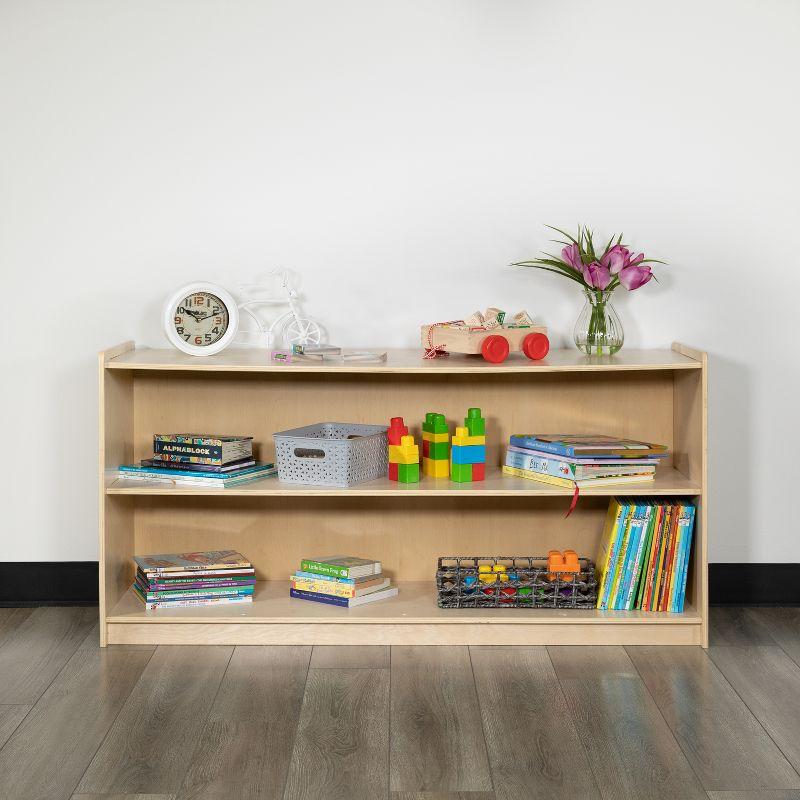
(323, 587)
(623, 550)
(607, 546)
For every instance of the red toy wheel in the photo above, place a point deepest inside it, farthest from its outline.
(536, 346)
(494, 348)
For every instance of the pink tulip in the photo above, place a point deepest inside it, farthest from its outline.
(634, 276)
(572, 256)
(596, 275)
(616, 258)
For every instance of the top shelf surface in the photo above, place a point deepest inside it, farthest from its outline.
(403, 361)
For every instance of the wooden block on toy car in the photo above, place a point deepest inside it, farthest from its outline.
(463, 340)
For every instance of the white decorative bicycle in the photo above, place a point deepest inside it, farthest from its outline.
(293, 328)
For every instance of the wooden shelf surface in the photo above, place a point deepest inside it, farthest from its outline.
(415, 604)
(402, 361)
(668, 481)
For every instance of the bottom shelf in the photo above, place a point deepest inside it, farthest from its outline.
(410, 618)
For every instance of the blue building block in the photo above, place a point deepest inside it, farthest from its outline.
(468, 454)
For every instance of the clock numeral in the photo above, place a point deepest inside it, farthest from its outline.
(181, 309)
(180, 330)
(218, 320)
(208, 337)
(178, 320)
(198, 340)
(215, 330)
(215, 310)
(187, 336)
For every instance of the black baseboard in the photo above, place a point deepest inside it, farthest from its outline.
(51, 583)
(48, 583)
(754, 584)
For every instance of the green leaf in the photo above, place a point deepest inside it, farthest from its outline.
(564, 233)
(572, 276)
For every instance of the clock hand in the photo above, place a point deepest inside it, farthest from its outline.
(192, 313)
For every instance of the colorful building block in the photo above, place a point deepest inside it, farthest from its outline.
(461, 473)
(479, 472)
(435, 437)
(475, 423)
(469, 454)
(564, 565)
(397, 429)
(435, 423)
(394, 471)
(463, 439)
(436, 467)
(408, 473)
(404, 453)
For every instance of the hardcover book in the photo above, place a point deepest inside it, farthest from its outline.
(177, 562)
(341, 566)
(597, 445)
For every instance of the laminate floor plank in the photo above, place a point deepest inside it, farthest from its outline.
(11, 619)
(442, 796)
(437, 742)
(246, 743)
(735, 627)
(36, 651)
(49, 751)
(725, 744)
(92, 641)
(782, 625)
(10, 718)
(151, 744)
(631, 750)
(769, 683)
(755, 794)
(123, 797)
(372, 656)
(341, 750)
(534, 749)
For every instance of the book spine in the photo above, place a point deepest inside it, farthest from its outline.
(217, 601)
(675, 560)
(653, 560)
(181, 451)
(318, 598)
(636, 564)
(658, 591)
(198, 593)
(615, 541)
(323, 587)
(199, 569)
(558, 469)
(633, 544)
(546, 447)
(621, 556)
(314, 576)
(152, 574)
(538, 476)
(685, 565)
(320, 568)
(652, 519)
(212, 584)
(680, 558)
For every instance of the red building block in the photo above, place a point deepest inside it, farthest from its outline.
(394, 472)
(426, 448)
(396, 430)
(478, 472)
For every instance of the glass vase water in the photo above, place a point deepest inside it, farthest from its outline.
(598, 331)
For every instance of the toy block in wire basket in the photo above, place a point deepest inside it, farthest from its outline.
(513, 582)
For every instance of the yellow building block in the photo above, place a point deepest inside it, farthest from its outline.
(461, 439)
(403, 454)
(435, 437)
(436, 467)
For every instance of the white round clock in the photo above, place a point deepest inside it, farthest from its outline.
(201, 319)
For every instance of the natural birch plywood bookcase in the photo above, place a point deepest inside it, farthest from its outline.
(655, 395)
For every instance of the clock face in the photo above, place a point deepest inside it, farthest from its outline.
(201, 319)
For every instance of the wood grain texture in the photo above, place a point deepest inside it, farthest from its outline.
(724, 743)
(10, 620)
(10, 718)
(533, 746)
(246, 743)
(353, 656)
(152, 741)
(437, 743)
(782, 625)
(768, 681)
(735, 627)
(632, 751)
(341, 750)
(38, 649)
(123, 797)
(49, 751)
(755, 794)
(442, 796)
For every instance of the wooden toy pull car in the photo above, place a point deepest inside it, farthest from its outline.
(493, 344)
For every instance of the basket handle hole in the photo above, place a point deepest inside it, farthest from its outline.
(309, 452)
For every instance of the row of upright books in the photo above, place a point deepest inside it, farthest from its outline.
(581, 461)
(644, 556)
(181, 580)
(344, 581)
(199, 459)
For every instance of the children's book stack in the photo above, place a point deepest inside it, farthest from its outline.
(581, 461)
(644, 556)
(199, 459)
(178, 580)
(341, 581)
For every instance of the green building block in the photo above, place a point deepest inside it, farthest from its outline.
(438, 450)
(439, 424)
(461, 473)
(428, 424)
(476, 424)
(408, 473)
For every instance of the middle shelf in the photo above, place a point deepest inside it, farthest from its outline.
(668, 482)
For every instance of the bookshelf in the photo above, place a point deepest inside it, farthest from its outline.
(655, 395)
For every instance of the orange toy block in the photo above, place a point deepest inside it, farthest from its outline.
(562, 566)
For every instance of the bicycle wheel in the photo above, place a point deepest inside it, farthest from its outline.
(302, 331)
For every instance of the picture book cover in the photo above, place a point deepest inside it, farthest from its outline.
(341, 566)
(176, 562)
(200, 439)
(589, 444)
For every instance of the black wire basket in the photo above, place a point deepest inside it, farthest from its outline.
(513, 582)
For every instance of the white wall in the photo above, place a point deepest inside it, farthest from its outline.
(364, 142)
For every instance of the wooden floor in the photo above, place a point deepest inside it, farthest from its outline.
(406, 723)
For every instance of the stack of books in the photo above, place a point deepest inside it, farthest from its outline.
(581, 461)
(341, 581)
(178, 580)
(644, 556)
(199, 459)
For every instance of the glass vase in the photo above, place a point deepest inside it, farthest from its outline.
(598, 331)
